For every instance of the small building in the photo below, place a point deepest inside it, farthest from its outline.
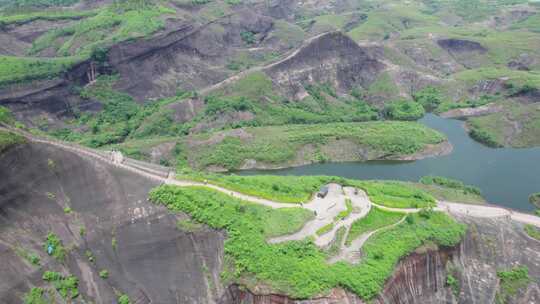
(323, 192)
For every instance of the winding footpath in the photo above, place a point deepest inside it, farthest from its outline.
(325, 209)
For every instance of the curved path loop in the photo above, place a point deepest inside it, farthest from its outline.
(325, 209)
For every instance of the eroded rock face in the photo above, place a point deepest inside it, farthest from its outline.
(190, 57)
(332, 58)
(152, 261)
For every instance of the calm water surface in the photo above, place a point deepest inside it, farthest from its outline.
(506, 176)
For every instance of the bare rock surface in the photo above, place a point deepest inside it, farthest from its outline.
(152, 261)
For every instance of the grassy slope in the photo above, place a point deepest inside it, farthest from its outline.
(50, 15)
(500, 128)
(375, 219)
(77, 41)
(280, 144)
(18, 69)
(111, 24)
(299, 269)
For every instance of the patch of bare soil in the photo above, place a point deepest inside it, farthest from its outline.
(471, 112)
(443, 148)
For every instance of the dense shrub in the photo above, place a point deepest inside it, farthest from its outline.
(511, 282)
(66, 286)
(429, 97)
(404, 110)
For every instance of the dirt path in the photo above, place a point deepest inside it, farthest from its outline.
(242, 74)
(326, 209)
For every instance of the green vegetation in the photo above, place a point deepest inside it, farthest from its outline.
(532, 23)
(104, 274)
(188, 225)
(335, 245)
(515, 77)
(345, 213)
(66, 286)
(325, 229)
(395, 194)
(43, 15)
(8, 139)
(450, 183)
(299, 269)
(384, 85)
(248, 37)
(484, 134)
(375, 219)
(456, 194)
(123, 299)
(19, 69)
(111, 24)
(22, 4)
(532, 231)
(297, 189)
(535, 199)
(429, 97)
(453, 283)
(67, 210)
(404, 110)
(6, 117)
(469, 103)
(90, 256)
(254, 93)
(120, 119)
(516, 125)
(54, 247)
(35, 296)
(285, 189)
(279, 145)
(511, 282)
(32, 258)
(383, 21)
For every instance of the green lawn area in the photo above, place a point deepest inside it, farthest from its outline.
(299, 268)
(375, 219)
(279, 145)
(8, 139)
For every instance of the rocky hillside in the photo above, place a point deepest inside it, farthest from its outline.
(105, 223)
(470, 53)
